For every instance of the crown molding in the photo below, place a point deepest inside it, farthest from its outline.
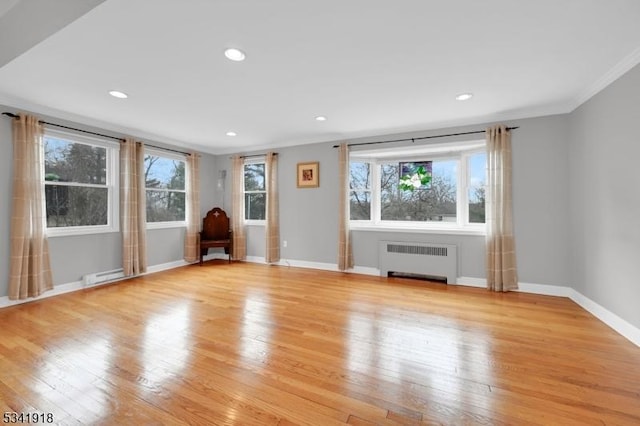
(120, 131)
(621, 68)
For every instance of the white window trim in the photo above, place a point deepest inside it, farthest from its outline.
(462, 226)
(167, 225)
(171, 156)
(465, 175)
(254, 160)
(112, 185)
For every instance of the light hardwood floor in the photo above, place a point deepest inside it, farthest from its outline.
(253, 344)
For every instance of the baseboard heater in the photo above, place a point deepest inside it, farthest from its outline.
(429, 260)
(89, 280)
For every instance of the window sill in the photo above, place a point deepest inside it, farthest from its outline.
(255, 222)
(166, 225)
(416, 230)
(73, 231)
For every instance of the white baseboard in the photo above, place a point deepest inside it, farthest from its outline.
(471, 282)
(57, 290)
(165, 266)
(365, 270)
(620, 325)
(362, 270)
(79, 285)
(615, 322)
(544, 289)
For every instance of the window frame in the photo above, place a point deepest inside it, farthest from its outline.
(467, 184)
(171, 156)
(460, 226)
(112, 185)
(367, 190)
(257, 222)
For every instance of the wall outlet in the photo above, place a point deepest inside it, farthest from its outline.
(284, 243)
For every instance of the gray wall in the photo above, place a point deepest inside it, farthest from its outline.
(576, 207)
(74, 256)
(309, 219)
(605, 197)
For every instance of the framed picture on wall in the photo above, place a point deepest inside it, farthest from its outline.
(309, 175)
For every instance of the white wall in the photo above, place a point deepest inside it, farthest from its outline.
(29, 22)
(74, 256)
(605, 197)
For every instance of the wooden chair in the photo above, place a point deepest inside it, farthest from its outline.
(215, 232)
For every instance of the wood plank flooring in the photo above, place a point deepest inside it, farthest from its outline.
(249, 344)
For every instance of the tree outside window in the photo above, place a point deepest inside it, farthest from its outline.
(255, 193)
(477, 187)
(165, 189)
(437, 203)
(360, 191)
(76, 183)
(451, 195)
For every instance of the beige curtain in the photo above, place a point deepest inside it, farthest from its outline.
(237, 209)
(191, 243)
(133, 208)
(501, 256)
(272, 231)
(345, 255)
(29, 270)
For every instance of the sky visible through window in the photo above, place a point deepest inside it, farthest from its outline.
(446, 169)
(163, 171)
(477, 174)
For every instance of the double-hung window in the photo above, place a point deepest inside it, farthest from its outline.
(81, 186)
(360, 190)
(434, 187)
(164, 177)
(255, 191)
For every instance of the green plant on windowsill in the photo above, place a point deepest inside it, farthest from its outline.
(417, 180)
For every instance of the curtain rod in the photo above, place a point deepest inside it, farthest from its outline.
(255, 155)
(423, 137)
(12, 115)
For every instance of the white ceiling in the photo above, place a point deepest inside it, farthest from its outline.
(371, 66)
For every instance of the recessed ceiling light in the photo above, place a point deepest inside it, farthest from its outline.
(321, 118)
(464, 96)
(234, 54)
(118, 94)
(232, 134)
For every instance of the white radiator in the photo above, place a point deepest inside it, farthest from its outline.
(101, 277)
(432, 260)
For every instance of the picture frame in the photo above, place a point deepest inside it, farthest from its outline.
(308, 175)
(408, 168)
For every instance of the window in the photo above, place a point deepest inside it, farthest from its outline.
(436, 203)
(360, 191)
(477, 186)
(164, 177)
(255, 191)
(452, 198)
(80, 184)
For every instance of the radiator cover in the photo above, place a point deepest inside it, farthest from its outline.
(430, 259)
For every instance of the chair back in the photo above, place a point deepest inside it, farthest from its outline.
(215, 226)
